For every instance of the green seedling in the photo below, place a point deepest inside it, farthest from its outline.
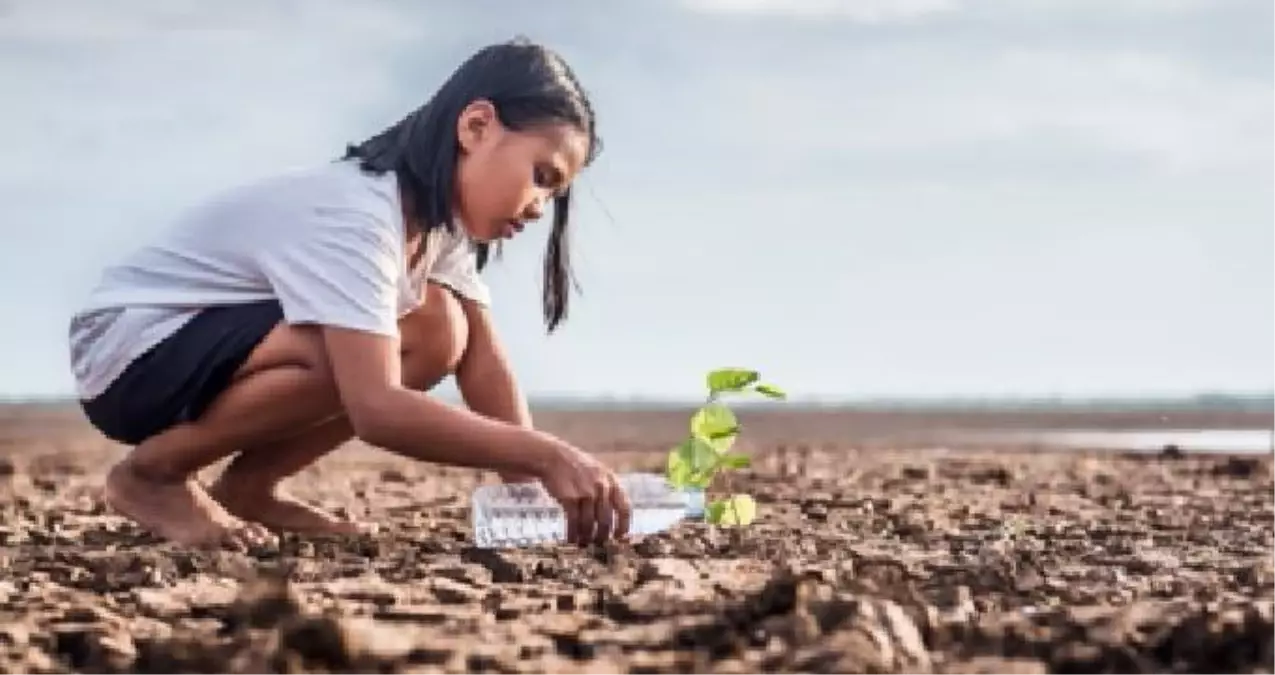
(696, 461)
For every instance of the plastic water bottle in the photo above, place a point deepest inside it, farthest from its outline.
(695, 504)
(523, 514)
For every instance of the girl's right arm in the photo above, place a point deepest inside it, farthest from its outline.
(368, 374)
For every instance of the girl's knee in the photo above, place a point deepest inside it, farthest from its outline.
(435, 336)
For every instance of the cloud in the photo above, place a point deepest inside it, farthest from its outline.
(1164, 110)
(921, 102)
(1131, 6)
(885, 11)
(866, 11)
(83, 22)
(116, 81)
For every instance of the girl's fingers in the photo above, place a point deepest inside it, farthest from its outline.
(585, 514)
(623, 509)
(571, 509)
(603, 515)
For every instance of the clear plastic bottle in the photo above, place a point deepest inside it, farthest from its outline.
(523, 514)
(695, 503)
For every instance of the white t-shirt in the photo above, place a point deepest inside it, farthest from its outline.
(328, 243)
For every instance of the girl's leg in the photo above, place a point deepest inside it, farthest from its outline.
(285, 385)
(434, 338)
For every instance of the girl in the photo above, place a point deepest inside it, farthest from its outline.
(282, 318)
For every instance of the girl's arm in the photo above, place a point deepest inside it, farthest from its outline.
(485, 377)
(386, 414)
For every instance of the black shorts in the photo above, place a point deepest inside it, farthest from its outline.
(176, 380)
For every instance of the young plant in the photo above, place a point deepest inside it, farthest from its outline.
(707, 450)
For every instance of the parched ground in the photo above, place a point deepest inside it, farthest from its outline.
(866, 558)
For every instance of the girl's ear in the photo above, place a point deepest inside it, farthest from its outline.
(475, 123)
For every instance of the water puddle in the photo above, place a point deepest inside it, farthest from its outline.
(1246, 441)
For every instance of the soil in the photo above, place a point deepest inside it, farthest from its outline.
(864, 559)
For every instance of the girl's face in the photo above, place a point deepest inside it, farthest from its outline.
(506, 178)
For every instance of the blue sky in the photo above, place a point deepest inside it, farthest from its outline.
(871, 197)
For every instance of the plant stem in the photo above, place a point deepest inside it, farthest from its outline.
(712, 398)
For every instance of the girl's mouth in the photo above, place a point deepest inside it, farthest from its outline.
(513, 227)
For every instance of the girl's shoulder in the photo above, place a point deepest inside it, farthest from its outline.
(333, 185)
(339, 195)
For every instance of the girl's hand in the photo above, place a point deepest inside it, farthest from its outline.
(596, 507)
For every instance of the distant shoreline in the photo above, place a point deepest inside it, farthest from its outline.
(1214, 424)
(1201, 403)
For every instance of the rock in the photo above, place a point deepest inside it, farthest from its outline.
(817, 512)
(159, 603)
(393, 476)
(343, 643)
(675, 569)
(988, 665)
(1239, 467)
(7, 588)
(14, 635)
(264, 603)
(474, 575)
(365, 589)
(909, 652)
(573, 601)
(504, 569)
(451, 592)
(93, 647)
(922, 472)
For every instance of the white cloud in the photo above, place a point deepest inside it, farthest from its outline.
(201, 90)
(917, 100)
(866, 11)
(883, 11)
(82, 22)
(1165, 110)
(1137, 6)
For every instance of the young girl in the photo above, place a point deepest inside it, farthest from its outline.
(280, 319)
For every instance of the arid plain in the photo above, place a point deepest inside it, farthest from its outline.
(887, 541)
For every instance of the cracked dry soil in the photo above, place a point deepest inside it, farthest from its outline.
(862, 562)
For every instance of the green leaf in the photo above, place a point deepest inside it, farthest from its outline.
(678, 472)
(736, 461)
(770, 390)
(713, 512)
(692, 463)
(716, 424)
(738, 510)
(730, 379)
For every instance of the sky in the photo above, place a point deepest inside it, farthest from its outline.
(856, 197)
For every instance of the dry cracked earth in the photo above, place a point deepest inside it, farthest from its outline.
(862, 561)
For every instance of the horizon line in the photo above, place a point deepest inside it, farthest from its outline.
(1203, 396)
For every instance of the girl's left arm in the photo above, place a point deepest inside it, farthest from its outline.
(485, 376)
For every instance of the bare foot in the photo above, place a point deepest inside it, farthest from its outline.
(282, 513)
(179, 511)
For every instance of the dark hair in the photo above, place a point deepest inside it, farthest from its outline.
(528, 84)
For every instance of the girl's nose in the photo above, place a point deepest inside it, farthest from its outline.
(534, 210)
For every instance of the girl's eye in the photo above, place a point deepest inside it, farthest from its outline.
(545, 177)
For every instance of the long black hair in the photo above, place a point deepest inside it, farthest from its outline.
(528, 84)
